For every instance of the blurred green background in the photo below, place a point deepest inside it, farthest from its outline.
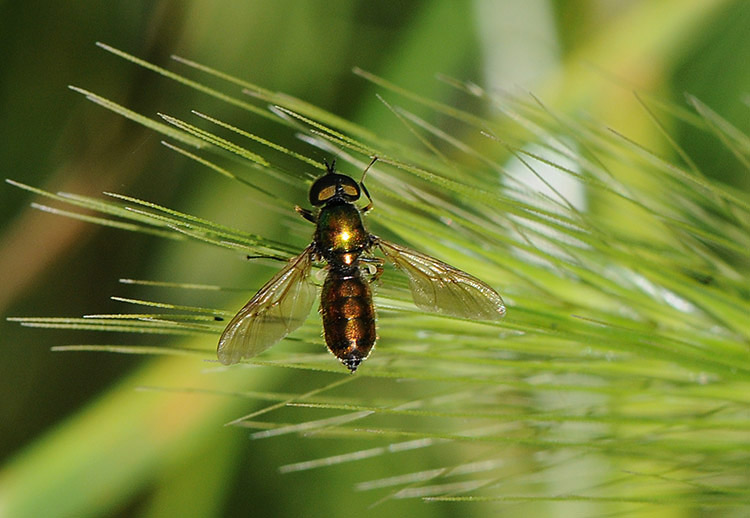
(579, 56)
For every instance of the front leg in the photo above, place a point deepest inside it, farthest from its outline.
(307, 214)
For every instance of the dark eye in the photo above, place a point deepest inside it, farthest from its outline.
(322, 190)
(350, 189)
(332, 185)
(325, 194)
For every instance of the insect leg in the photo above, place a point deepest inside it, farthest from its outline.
(364, 189)
(307, 214)
(274, 257)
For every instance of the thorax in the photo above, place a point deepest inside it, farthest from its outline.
(340, 235)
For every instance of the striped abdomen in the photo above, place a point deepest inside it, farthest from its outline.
(348, 315)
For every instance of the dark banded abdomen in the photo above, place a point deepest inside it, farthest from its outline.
(348, 316)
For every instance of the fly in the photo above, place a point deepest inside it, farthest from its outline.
(346, 307)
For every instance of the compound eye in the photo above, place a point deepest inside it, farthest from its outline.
(322, 190)
(351, 189)
(331, 186)
(324, 194)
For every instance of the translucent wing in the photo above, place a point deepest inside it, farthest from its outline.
(280, 307)
(439, 287)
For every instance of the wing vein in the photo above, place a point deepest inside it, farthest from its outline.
(279, 307)
(439, 287)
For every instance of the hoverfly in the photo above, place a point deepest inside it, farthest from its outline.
(346, 306)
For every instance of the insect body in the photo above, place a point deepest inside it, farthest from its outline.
(346, 307)
(346, 299)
